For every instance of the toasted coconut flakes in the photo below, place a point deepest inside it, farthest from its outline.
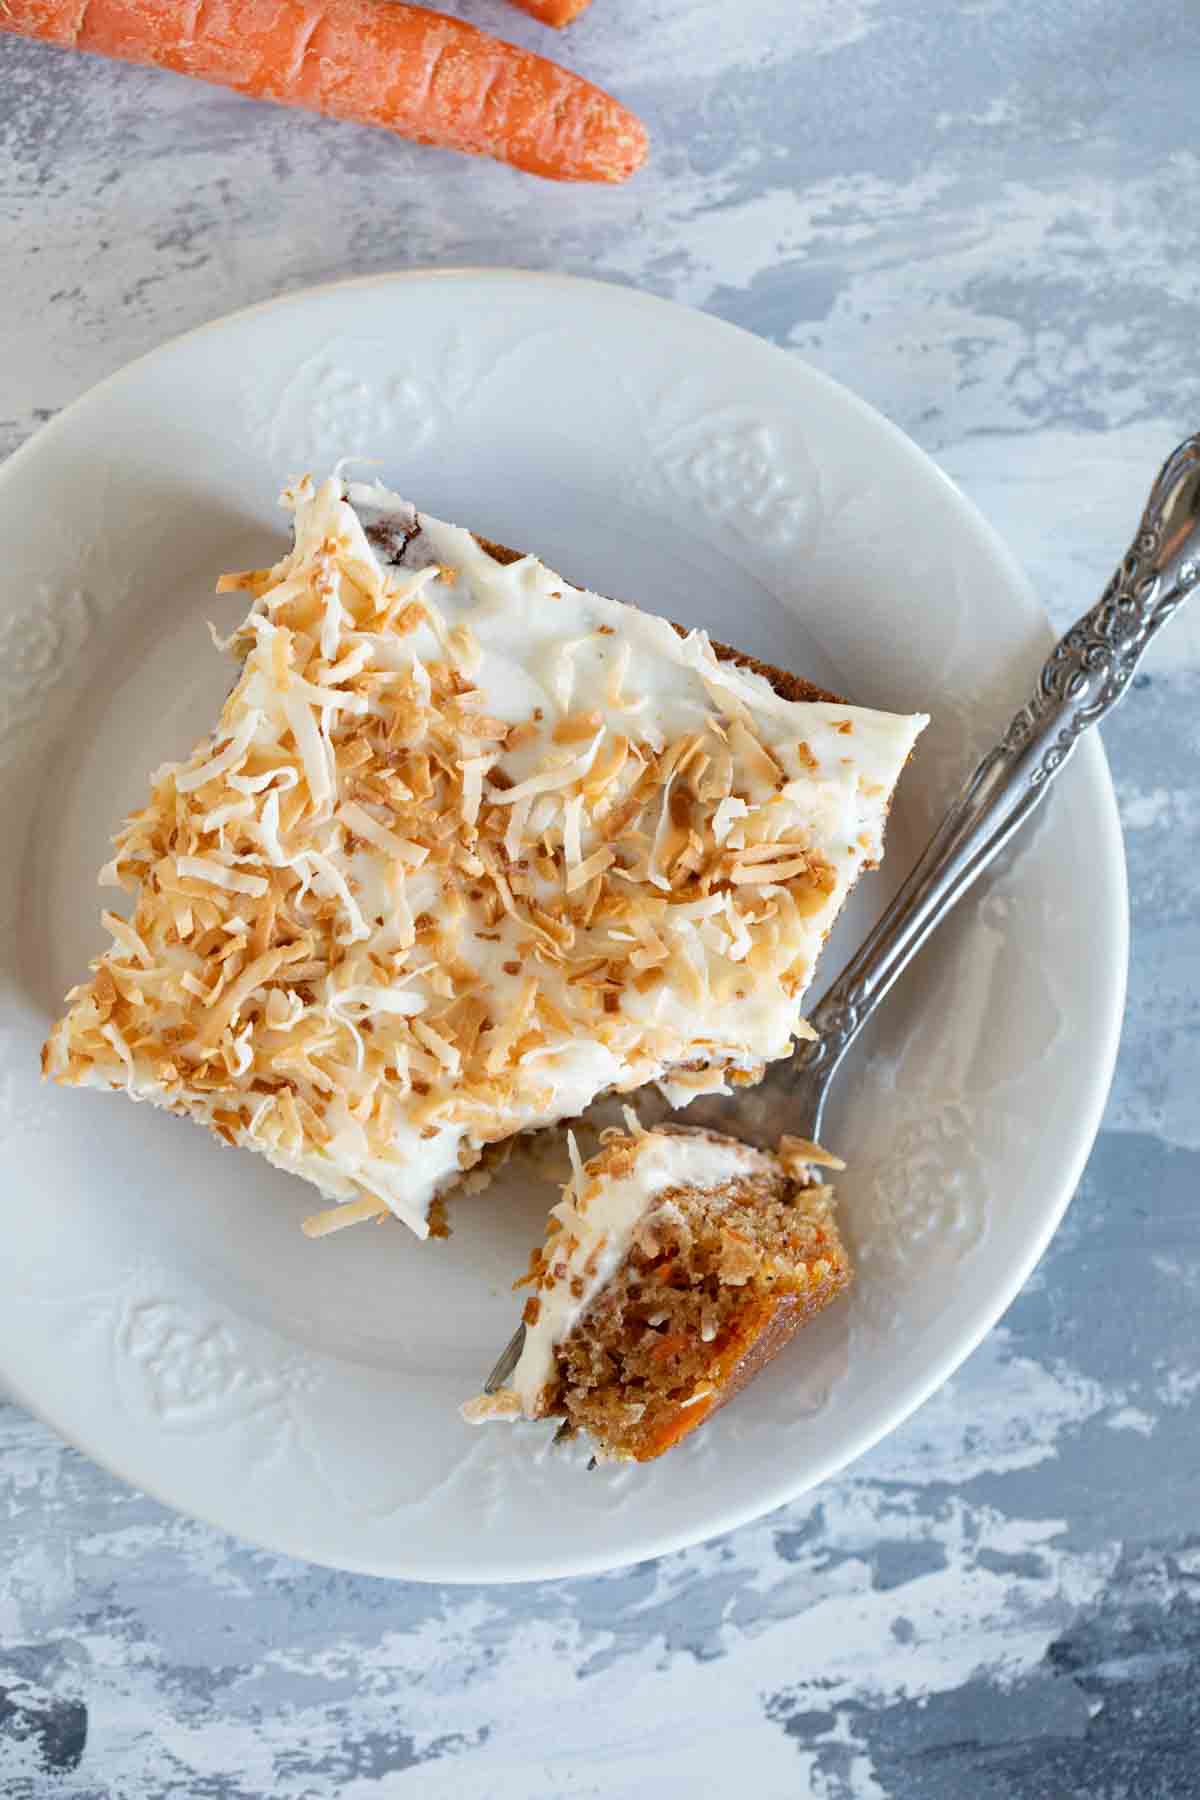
(256, 974)
(661, 833)
(336, 1218)
(502, 1405)
(552, 1015)
(717, 782)
(559, 930)
(798, 1154)
(742, 942)
(238, 1053)
(621, 816)
(690, 911)
(651, 948)
(686, 754)
(113, 1036)
(465, 648)
(777, 850)
(576, 726)
(698, 1081)
(764, 874)
(465, 1020)
(265, 1105)
(649, 956)
(577, 1169)
(547, 780)
(753, 755)
(281, 656)
(590, 967)
(402, 919)
(105, 988)
(314, 1125)
(514, 836)
(562, 670)
(438, 1046)
(313, 748)
(686, 975)
(727, 812)
(205, 868)
(400, 1002)
(572, 820)
(518, 736)
(309, 971)
(253, 581)
(593, 865)
(503, 1037)
(530, 1045)
(317, 866)
(607, 767)
(355, 756)
(473, 725)
(404, 616)
(264, 924)
(133, 988)
(332, 614)
(349, 665)
(283, 1010)
(613, 694)
(347, 1023)
(473, 771)
(127, 937)
(364, 826)
(697, 764)
(728, 704)
(327, 699)
(221, 816)
(233, 755)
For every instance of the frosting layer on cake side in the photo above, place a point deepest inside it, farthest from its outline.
(596, 1221)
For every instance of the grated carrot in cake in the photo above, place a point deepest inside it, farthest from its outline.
(676, 1265)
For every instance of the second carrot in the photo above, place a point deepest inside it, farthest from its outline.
(415, 72)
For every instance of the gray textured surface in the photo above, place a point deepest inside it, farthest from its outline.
(979, 217)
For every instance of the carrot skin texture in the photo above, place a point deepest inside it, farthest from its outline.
(554, 12)
(378, 62)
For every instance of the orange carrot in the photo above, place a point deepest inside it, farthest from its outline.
(413, 71)
(554, 12)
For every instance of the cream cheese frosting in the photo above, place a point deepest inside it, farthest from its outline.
(468, 847)
(596, 1221)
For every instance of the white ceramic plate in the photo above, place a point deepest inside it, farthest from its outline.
(158, 1303)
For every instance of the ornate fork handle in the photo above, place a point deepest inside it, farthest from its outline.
(1084, 677)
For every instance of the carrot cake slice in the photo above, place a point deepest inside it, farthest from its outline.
(676, 1265)
(468, 847)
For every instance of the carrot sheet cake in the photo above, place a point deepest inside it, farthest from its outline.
(468, 847)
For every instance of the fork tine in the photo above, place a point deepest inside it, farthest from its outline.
(509, 1358)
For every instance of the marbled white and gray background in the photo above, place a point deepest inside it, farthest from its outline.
(984, 215)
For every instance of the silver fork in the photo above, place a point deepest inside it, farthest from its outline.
(1084, 677)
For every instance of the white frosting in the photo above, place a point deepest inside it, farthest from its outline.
(598, 1216)
(732, 965)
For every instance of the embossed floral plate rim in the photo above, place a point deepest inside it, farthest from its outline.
(665, 455)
